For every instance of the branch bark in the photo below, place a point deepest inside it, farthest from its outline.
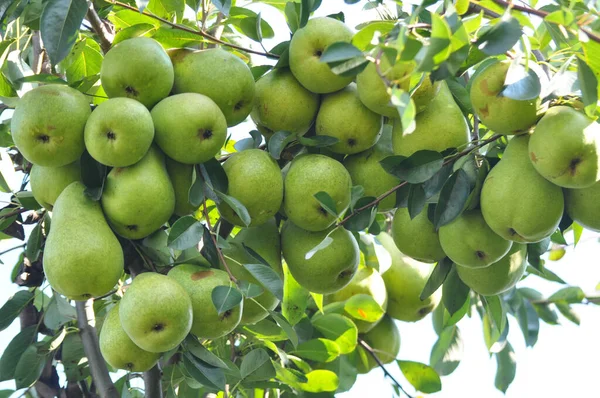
(152, 382)
(100, 28)
(86, 321)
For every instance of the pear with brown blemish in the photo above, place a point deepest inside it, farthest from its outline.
(199, 283)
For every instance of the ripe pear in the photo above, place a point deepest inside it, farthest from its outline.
(343, 116)
(255, 181)
(82, 256)
(365, 170)
(181, 176)
(119, 132)
(440, 126)
(373, 91)
(327, 270)
(139, 199)
(384, 339)
(366, 281)
(470, 242)
(47, 125)
(48, 182)
(190, 128)
(137, 68)
(221, 76)
(199, 283)
(565, 148)
(500, 114)
(307, 46)
(416, 238)
(308, 175)
(265, 241)
(156, 312)
(404, 282)
(583, 206)
(425, 93)
(499, 277)
(516, 202)
(283, 104)
(119, 350)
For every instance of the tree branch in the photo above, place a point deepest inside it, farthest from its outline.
(368, 348)
(201, 33)
(86, 321)
(214, 240)
(98, 25)
(152, 382)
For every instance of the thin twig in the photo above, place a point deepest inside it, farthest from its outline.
(201, 33)
(12, 248)
(371, 352)
(214, 240)
(14, 213)
(586, 300)
(99, 27)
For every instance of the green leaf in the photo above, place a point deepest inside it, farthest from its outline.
(318, 141)
(222, 5)
(507, 366)
(416, 169)
(295, 298)
(500, 38)
(215, 178)
(59, 312)
(237, 206)
(460, 94)
(318, 299)
(83, 61)
(29, 368)
(438, 48)
(529, 322)
(93, 175)
(362, 39)
(589, 86)
(322, 245)
(339, 329)
(494, 307)
(186, 232)
(267, 277)
(27, 200)
(13, 307)
(362, 219)
(320, 350)
(209, 250)
(521, 83)
(59, 25)
(453, 198)
(422, 377)
(447, 351)
(340, 51)
(571, 294)
(203, 373)
(363, 307)
(203, 354)
(320, 380)
(416, 200)
(34, 244)
(345, 368)
(327, 203)
(454, 292)
(287, 328)
(14, 350)
(406, 109)
(253, 361)
(4, 185)
(226, 298)
(568, 312)
(173, 38)
(138, 30)
(437, 277)
(279, 141)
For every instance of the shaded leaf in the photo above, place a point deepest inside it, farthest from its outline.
(267, 277)
(278, 142)
(226, 298)
(416, 169)
(437, 277)
(422, 377)
(500, 37)
(320, 350)
(59, 24)
(13, 307)
(237, 206)
(186, 232)
(507, 366)
(339, 329)
(453, 198)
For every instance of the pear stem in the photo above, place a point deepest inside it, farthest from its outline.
(371, 352)
(201, 33)
(152, 382)
(86, 321)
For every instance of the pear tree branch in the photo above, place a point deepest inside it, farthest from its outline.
(86, 321)
(449, 160)
(152, 382)
(371, 352)
(99, 27)
(201, 33)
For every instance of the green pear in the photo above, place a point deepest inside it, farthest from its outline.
(119, 350)
(516, 202)
(199, 283)
(365, 170)
(48, 182)
(470, 242)
(255, 181)
(440, 126)
(189, 128)
(404, 282)
(119, 132)
(47, 125)
(307, 46)
(366, 281)
(181, 176)
(283, 104)
(308, 175)
(221, 76)
(500, 114)
(343, 116)
(265, 241)
(77, 224)
(139, 199)
(156, 312)
(499, 277)
(416, 238)
(326, 270)
(565, 148)
(137, 68)
(373, 91)
(384, 339)
(425, 93)
(583, 206)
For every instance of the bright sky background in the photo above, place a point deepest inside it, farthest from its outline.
(562, 364)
